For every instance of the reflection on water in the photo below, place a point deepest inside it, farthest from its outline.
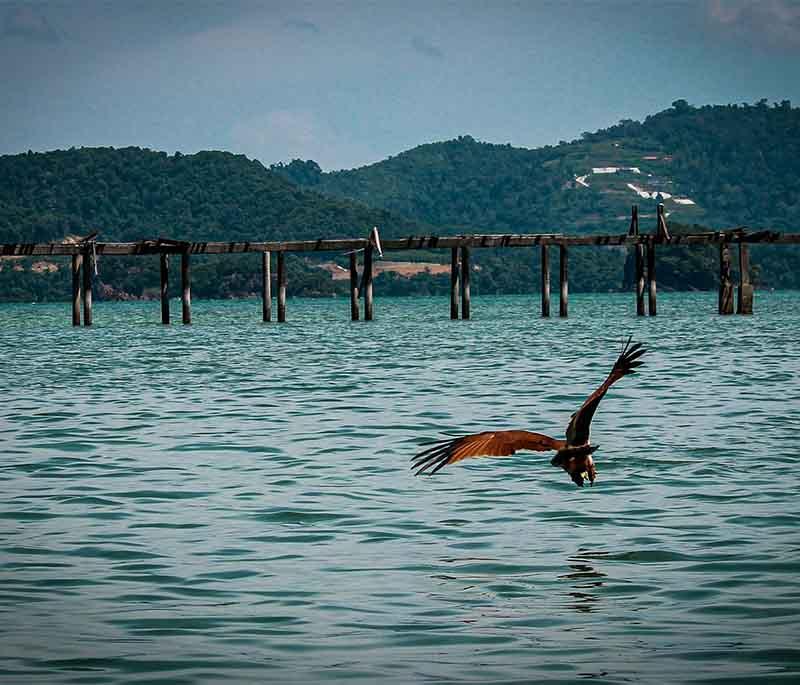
(232, 501)
(583, 579)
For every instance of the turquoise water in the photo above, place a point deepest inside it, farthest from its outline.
(233, 500)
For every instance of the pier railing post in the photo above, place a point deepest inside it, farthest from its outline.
(266, 287)
(633, 229)
(465, 293)
(563, 273)
(454, 268)
(367, 285)
(638, 251)
(651, 276)
(639, 279)
(354, 307)
(77, 260)
(662, 232)
(88, 273)
(744, 304)
(545, 280)
(164, 259)
(281, 287)
(725, 300)
(186, 287)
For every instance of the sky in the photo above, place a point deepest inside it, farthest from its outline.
(348, 83)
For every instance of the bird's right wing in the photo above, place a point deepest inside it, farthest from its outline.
(627, 362)
(488, 444)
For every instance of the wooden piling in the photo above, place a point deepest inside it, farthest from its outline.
(725, 299)
(744, 303)
(454, 283)
(367, 282)
(281, 286)
(545, 281)
(77, 260)
(651, 277)
(638, 251)
(266, 286)
(88, 273)
(465, 293)
(164, 288)
(186, 288)
(633, 229)
(639, 280)
(662, 232)
(354, 307)
(563, 274)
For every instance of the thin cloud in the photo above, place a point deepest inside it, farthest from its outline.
(28, 23)
(286, 134)
(302, 25)
(425, 48)
(763, 22)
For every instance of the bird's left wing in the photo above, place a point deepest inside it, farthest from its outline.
(628, 360)
(488, 444)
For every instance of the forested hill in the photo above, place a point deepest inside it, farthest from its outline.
(715, 165)
(131, 193)
(711, 166)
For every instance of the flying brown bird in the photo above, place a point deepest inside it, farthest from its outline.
(574, 454)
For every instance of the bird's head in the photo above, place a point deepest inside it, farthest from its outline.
(585, 471)
(580, 465)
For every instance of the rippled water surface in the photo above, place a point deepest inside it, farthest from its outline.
(233, 500)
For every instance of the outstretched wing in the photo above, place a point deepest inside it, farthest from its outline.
(489, 444)
(578, 428)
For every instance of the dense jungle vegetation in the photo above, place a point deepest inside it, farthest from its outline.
(739, 164)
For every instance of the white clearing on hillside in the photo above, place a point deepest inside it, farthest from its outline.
(684, 201)
(648, 195)
(615, 169)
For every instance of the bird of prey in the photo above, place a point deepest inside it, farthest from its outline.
(574, 454)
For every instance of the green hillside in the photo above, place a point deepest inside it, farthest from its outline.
(735, 164)
(131, 193)
(718, 166)
(712, 166)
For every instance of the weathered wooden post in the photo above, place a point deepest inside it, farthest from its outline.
(639, 279)
(266, 287)
(545, 281)
(454, 283)
(186, 287)
(88, 272)
(281, 286)
(354, 308)
(367, 282)
(77, 260)
(638, 251)
(164, 288)
(725, 300)
(563, 273)
(651, 276)
(633, 229)
(662, 232)
(465, 294)
(744, 303)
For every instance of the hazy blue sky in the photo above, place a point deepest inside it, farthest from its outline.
(349, 83)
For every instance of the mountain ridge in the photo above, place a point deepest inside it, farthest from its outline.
(686, 157)
(729, 164)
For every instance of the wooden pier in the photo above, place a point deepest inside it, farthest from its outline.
(84, 256)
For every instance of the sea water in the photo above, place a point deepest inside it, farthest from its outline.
(232, 500)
